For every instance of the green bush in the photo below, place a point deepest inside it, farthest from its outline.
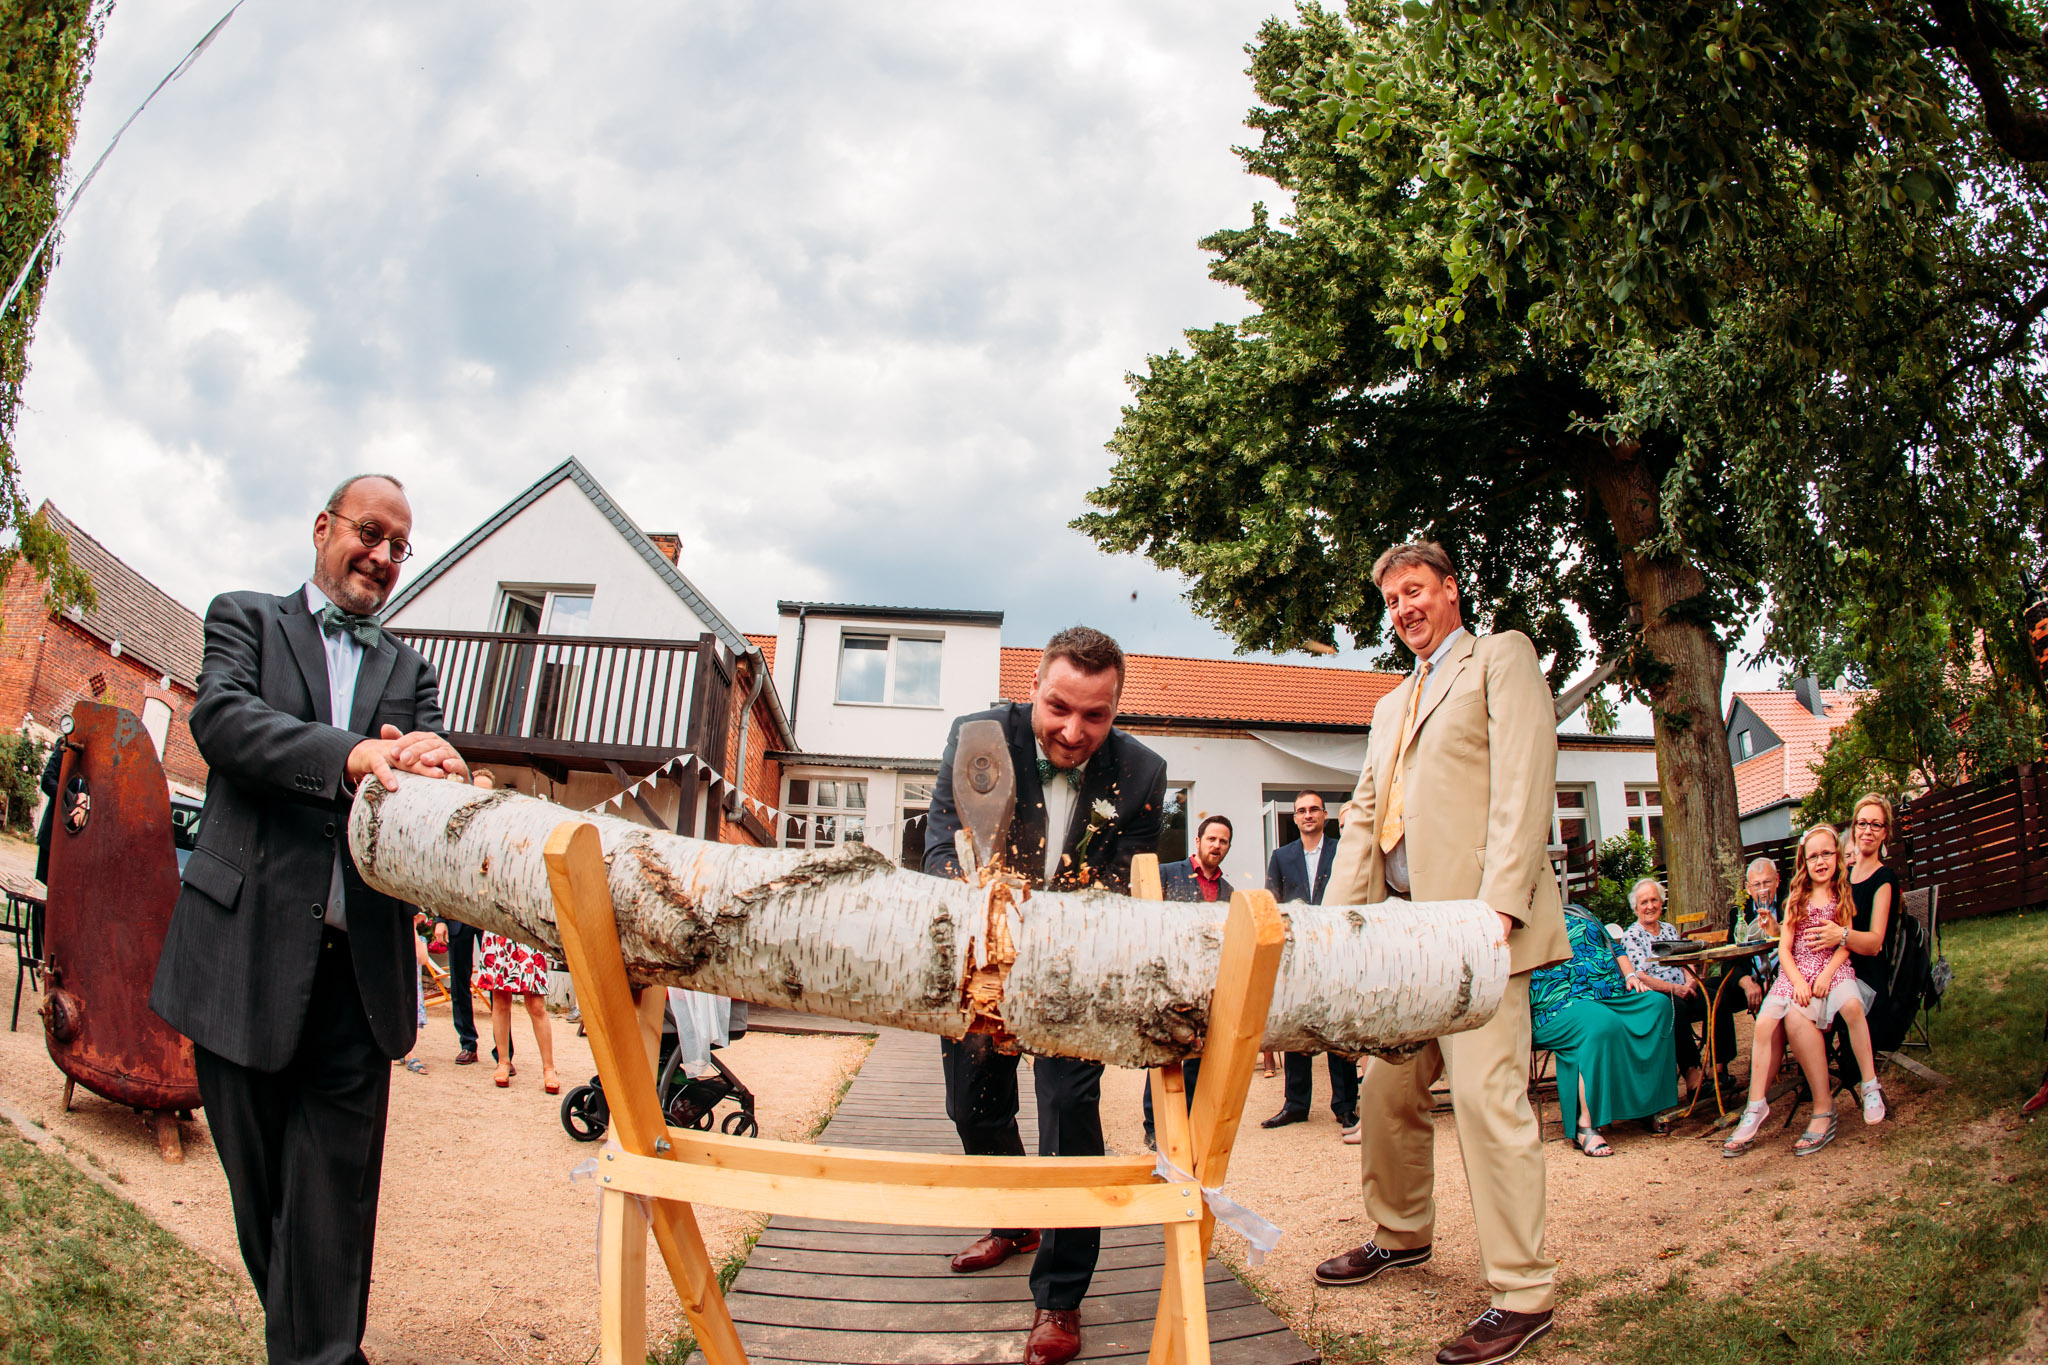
(1622, 861)
(21, 772)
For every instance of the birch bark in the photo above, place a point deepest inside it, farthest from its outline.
(851, 935)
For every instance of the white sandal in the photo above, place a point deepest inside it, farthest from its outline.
(1744, 1136)
(1872, 1095)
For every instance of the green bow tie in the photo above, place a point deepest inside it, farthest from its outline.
(1047, 772)
(335, 621)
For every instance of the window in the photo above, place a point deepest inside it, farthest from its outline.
(913, 803)
(1742, 745)
(889, 670)
(824, 812)
(1173, 830)
(1572, 824)
(1646, 816)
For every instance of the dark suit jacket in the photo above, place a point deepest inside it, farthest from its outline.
(237, 966)
(1177, 883)
(1287, 876)
(1123, 772)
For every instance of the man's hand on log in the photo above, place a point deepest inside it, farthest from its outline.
(422, 752)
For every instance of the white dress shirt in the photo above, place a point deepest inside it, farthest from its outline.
(344, 662)
(1060, 799)
(1397, 860)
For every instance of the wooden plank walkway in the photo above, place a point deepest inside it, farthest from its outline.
(825, 1293)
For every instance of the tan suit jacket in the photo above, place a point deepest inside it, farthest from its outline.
(1478, 789)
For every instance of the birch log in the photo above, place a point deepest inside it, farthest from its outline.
(851, 935)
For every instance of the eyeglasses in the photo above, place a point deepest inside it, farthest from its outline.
(1300, 811)
(1870, 824)
(372, 536)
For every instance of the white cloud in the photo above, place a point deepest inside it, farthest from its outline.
(843, 294)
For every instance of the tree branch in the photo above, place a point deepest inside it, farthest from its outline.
(2022, 132)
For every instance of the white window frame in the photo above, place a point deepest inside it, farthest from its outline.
(1744, 746)
(804, 813)
(1643, 809)
(1557, 813)
(888, 668)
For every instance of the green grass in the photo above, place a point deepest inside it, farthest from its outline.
(87, 1279)
(1946, 1271)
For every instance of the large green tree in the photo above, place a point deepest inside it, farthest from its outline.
(46, 49)
(1794, 395)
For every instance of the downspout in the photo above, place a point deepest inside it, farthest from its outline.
(796, 677)
(746, 721)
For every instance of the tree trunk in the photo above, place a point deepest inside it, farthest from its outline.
(852, 935)
(1696, 776)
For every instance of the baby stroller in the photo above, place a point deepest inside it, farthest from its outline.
(688, 1102)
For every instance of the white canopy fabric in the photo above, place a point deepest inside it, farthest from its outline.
(1338, 752)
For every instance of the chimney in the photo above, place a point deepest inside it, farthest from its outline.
(668, 542)
(1807, 691)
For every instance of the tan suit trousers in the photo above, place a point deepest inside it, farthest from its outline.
(1498, 1138)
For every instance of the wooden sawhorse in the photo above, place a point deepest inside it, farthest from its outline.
(674, 1168)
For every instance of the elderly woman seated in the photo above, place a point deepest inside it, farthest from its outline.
(1642, 970)
(1613, 1045)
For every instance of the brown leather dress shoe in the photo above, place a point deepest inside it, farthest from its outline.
(1368, 1262)
(1055, 1337)
(992, 1251)
(466, 1057)
(1496, 1335)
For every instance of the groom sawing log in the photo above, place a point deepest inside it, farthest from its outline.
(849, 934)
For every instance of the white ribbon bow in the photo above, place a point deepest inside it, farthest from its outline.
(1254, 1228)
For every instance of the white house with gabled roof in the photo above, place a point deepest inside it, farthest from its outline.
(576, 660)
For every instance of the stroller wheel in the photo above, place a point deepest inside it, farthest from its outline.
(705, 1121)
(585, 1114)
(739, 1123)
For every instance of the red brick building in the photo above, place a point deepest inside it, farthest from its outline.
(138, 648)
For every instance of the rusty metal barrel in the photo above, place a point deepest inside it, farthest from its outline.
(112, 885)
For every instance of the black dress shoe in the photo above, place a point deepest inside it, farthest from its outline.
(1349, 1120)
(1283, 1118)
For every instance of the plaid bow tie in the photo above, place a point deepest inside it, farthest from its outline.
(335, 621)
(1047, 772)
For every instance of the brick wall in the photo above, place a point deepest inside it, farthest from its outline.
(47, 664)
(763, 778)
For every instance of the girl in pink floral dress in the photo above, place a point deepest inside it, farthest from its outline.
(511, 969)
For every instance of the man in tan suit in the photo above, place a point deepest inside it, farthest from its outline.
(1454, 804)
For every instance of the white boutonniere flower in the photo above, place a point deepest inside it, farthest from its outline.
(1099, 814)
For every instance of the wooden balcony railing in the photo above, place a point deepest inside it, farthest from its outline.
(577, 701)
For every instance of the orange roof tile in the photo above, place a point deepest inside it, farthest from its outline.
(1786, 772)
(1228, 689)
(766, 644)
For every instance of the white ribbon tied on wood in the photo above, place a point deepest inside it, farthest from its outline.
(1255, 1228)
(586, 1169)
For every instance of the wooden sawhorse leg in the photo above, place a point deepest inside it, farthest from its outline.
(590, 940)
(1253, 936)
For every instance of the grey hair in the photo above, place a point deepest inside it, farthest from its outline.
(341, 489)
(1761, 865)
(1642, 882)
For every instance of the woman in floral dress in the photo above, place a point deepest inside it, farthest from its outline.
(511, 969)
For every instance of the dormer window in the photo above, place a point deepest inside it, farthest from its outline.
(889, 670)
(1743, 747)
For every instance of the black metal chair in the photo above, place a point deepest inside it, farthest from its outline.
(22, 918)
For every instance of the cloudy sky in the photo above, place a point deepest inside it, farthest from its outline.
(844, 294)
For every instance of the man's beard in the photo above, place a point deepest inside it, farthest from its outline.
(347, 596)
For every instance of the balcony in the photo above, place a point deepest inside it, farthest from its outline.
(563, 703)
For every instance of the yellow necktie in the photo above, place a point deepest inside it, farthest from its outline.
(1395, 823)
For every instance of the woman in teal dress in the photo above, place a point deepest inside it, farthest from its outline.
(1614, 1047)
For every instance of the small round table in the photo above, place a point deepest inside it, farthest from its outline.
(1686, 962)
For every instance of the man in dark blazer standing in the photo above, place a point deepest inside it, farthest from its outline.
(293, 979)
(1194, 879)
(1290, 878)
(1089, 799)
